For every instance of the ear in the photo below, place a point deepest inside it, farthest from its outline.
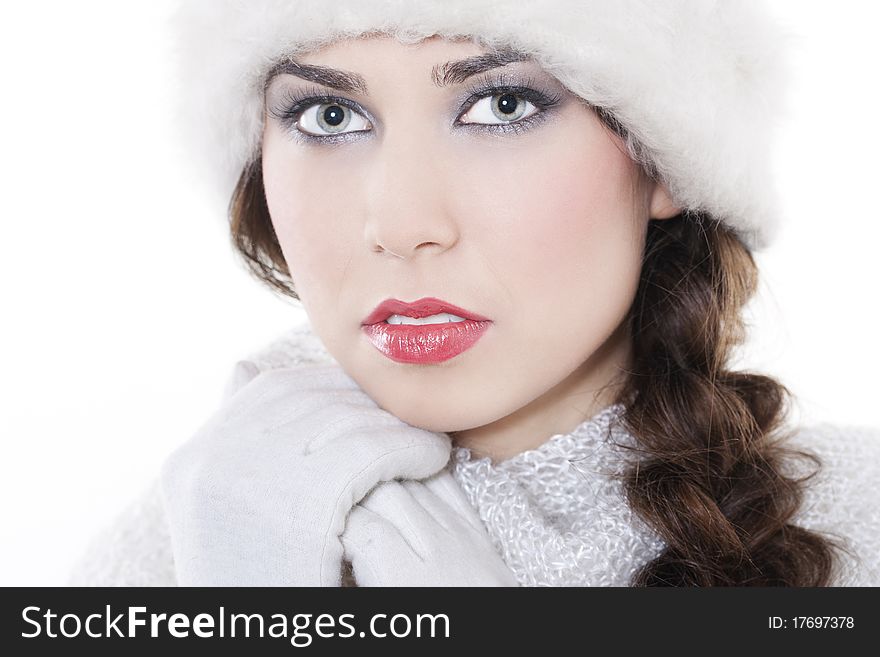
(662, 206)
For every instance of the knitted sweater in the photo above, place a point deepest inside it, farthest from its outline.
(556, 513)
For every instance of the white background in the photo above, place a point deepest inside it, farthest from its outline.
(123, 307)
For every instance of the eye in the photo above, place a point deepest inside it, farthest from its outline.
(498, 109)
(330, 119)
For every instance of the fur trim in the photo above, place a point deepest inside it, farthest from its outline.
(697, 83)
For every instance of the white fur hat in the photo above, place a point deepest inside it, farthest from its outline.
(696, 83)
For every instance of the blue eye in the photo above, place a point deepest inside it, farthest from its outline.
(493, 107)
(499, 109)
(326, 119)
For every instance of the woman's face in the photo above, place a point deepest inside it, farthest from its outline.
(527, 213)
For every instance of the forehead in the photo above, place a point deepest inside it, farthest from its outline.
(384, 49)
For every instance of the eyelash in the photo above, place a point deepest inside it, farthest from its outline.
(293, 104)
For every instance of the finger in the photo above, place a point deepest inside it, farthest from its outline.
(398, 453)
(311, 377)
(449, 493)
(344, 419)
(338, 420)
(314, 396)
(393, 502)
(435, 511)
(286, 394)
(373, 545)
(359, 547)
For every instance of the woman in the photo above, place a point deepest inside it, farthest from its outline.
(522, 236)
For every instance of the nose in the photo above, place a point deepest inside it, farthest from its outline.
(408, 207)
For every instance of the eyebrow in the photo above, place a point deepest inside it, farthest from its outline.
(459, 71)
(442, 75)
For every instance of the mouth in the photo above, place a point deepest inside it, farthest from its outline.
(426, 331)
(428, 310)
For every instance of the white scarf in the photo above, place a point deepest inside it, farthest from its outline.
(556, 513)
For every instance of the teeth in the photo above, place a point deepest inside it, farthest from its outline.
(441, 318)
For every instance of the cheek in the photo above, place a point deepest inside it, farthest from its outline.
(297, 196)
(563, 222)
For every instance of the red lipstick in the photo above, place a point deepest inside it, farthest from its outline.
(423, 343)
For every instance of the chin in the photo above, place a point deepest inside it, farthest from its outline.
(427, 403)
(439, 418)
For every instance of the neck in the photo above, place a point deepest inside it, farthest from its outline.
(593, 386)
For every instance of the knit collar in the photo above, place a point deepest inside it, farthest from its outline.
(557, 513)
(567, 446)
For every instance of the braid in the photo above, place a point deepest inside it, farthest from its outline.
(711, 483)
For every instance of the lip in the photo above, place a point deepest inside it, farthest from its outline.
(420, 308)
(426, 343)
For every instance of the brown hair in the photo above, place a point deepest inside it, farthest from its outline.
(709, 481)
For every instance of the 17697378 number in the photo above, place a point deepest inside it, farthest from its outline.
(810, 622)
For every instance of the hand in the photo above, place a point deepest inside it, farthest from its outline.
(421, 533)
(260, 494)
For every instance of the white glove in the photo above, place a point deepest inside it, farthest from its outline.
(260, 494)
(421, 533)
